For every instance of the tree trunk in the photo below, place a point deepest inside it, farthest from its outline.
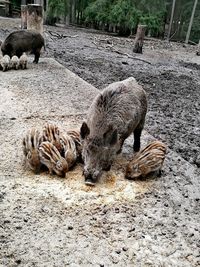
(110, 27)
(139, 39)
(23, 17)
(73, 11)
(198, 49)
(66, 12)
(81, 17)
(39, 2)
(35, 18)
(78, 17)
(171, 20)
(191, 21)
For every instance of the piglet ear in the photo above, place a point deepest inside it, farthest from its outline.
(136, 167)
(110, 136)
(85, 131)
(137, 170)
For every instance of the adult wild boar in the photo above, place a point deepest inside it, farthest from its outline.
(115, 113)
(23, 41)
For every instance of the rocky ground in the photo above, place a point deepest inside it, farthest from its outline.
(48, 221)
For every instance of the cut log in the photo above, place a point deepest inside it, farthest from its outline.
(35, 18)
(23, 17)
(139, 39)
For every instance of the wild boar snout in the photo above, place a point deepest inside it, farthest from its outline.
(91, 176)
(98, 151)
(107, 167)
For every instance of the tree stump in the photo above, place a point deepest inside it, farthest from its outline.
(23, 17)
(35, 18)
(139, 39)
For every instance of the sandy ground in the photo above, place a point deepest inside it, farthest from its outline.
(49, 221)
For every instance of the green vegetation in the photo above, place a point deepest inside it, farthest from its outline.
(123, 16)
(185, 13)
(56, 9)
(15, 3)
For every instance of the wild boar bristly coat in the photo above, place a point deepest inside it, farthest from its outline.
(115, 113)
(23, 41)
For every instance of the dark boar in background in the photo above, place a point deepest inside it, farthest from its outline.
(23, 41)
(118, 111)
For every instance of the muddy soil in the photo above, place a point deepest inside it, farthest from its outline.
(47, 221)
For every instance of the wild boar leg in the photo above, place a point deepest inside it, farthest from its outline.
(18, 53)
(137, 134)
(37, 55)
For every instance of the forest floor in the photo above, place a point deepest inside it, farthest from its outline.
(159, 226)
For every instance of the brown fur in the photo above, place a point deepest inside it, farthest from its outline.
(51, 133)
(31, 143)
(118, 111)
(70, 152)
(51, 158)
(149, 159)
(75, 135)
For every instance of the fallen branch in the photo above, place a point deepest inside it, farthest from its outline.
(97, 47)
(55, 34)
(172, 252)
(173, 34)
(94, 42)
(107, 43)
(118, 52)
(60, 36)
(193, 43)
(71, 36)
(129, 56)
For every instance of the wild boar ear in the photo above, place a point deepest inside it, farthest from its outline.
(110, 136)
(84, 131)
